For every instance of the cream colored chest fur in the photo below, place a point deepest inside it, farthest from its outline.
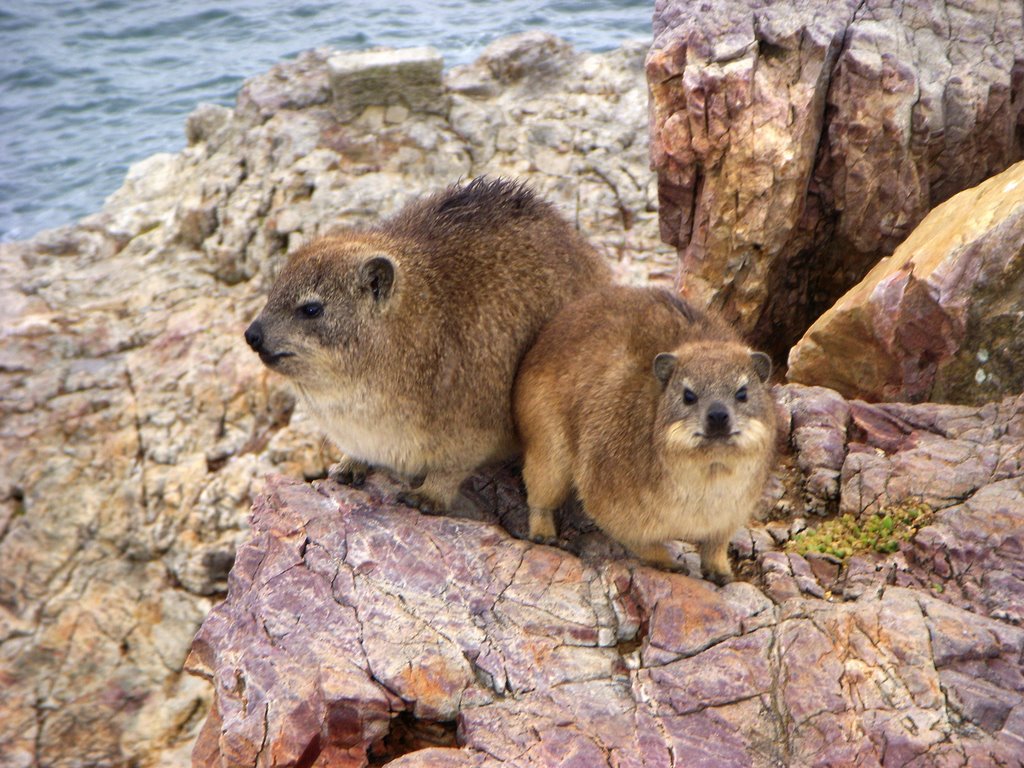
(697, 500)
(365, 426)
(373, 428)
(707, 500)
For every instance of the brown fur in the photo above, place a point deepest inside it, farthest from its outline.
(596, 411)
(424, 320)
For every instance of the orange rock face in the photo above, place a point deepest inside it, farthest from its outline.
(942, 319)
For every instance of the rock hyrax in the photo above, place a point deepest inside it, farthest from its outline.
(404, 338)
(657, 414)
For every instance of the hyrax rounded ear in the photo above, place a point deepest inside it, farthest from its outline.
(377, 275)
(762, 365)
(664, 364)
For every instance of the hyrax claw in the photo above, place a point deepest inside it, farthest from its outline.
(542, 526)
(349, 472)
(719, 578)
(420, 501)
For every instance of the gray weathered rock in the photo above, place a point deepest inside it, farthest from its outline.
(407, 79)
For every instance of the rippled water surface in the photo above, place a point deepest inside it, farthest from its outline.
(86, 88)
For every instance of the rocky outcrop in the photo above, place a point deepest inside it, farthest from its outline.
(796, 143)
(135, 428)
(135, 424)
(356, 630)
(403, 81)
(942, 319)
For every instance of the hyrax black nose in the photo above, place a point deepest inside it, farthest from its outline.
(717, 419)
(254, 336)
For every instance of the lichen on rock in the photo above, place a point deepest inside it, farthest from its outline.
(880, 531)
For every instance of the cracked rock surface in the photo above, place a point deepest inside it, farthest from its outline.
(854, 458)
(358, 632)
(797, 143)
(134, 423)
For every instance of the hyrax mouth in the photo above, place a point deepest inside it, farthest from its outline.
(718, 437)
(271, 359)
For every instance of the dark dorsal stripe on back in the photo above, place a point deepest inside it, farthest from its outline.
(488, 197)
(678, 304)
(482, 205)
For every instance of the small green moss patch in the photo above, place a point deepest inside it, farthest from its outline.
(879, 532)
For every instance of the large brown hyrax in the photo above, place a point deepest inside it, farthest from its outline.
(657, 414)
(404, 338)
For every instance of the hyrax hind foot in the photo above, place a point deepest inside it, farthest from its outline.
(714, 562)
(658, 555)
(713, 559)
(349, 472)
(542, 526)
(718, 578)
(434, 493)
(421, 501)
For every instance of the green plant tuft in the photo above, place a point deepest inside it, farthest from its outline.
(881, 531)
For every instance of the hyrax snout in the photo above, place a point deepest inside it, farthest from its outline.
(404, 338)
(659, 417)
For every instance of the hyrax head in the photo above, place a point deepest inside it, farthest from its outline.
(328, 303)
(714, 397)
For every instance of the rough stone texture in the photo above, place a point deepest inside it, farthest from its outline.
(347, 616)
(966, 463)
(133, 421)
(942, 319)
(797, 143)
(818, 424)
(408, 79)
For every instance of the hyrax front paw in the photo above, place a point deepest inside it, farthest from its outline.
(658, 555)
(542, 526)
(714, 561)
(719, 578)
(421, 501)
(349, 472)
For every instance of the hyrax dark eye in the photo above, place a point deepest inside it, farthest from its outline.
(311, 309)
(741, 394)
(689, 396)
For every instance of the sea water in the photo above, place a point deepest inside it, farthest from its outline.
(86, 88)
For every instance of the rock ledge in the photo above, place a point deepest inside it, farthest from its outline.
(359, 632)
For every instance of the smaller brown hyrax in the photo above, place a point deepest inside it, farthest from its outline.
(404, 338)
(656, 413)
